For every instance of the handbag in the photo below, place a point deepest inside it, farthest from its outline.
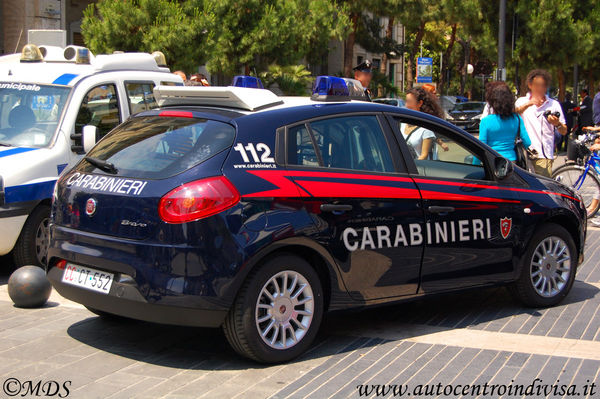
(520, 151)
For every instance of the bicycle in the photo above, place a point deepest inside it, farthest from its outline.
(582, 174)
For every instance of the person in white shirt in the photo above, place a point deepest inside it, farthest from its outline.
(420, 139)
(541, 116)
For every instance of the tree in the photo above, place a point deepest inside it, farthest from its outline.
(255, 33)
(177, 29)
(292, 80)
(369, 36)
(551, 37)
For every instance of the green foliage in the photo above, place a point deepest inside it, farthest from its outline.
(256, 33)
(177, 29)
(224, 34)
(381, 81)
(370, 38)
(292, 80)
(233, 36)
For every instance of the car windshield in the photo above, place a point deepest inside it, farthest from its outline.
(474, 106)
(29, 113)
(157, 147)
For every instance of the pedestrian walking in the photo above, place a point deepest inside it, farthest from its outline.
(542, 116)
(500, 129)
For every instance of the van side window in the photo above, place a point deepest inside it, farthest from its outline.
(100, 108)
(140, 96)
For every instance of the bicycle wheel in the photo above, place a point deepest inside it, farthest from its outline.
(589, 189)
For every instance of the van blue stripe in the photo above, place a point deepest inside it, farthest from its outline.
(14, 151)
(64, 79)
(29, 192)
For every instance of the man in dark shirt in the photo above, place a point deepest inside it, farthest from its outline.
(586, 114)
(567, 107)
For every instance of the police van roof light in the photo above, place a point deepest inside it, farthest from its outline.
(82, 56)
(31, 53)
(247, 81)
(333, 88)
(160, 58)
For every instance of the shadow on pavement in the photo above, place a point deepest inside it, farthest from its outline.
(207, 349)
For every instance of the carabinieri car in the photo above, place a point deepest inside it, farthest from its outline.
(233, 207)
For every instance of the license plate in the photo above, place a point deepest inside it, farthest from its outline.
(86, 277)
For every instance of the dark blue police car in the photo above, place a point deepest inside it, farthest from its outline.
(233, 207)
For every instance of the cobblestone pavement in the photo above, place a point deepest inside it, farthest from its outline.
(460, 340)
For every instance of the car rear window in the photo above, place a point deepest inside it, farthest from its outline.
(156, 147)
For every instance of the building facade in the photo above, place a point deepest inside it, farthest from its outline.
(394, 67)
(17, 17)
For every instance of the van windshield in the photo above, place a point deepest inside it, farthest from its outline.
(30, 113)
(157, 147)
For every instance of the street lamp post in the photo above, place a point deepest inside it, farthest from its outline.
(501, 73)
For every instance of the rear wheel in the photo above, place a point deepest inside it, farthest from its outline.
(548, 269)
(589, 190)
(277, 312)
(32, 246)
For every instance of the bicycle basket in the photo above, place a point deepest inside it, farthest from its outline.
(577, 151)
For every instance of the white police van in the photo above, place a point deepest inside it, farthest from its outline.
(55, 104)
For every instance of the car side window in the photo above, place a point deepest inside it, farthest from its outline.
(438, 154)
(349, 142)
(100, 108)
(140, 96)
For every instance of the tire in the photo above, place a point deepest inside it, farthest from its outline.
(552, 247)
(568, 176)
(32, 246)
(252, 309)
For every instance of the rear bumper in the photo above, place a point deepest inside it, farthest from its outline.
(126, 300)
(170, 284)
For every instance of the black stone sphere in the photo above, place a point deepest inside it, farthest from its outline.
(28, 287)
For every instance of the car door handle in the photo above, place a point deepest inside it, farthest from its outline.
(335, 207)
(441, 209)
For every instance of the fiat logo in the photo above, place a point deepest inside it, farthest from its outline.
(90, 207)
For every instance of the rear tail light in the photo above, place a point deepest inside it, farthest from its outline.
(197, 200)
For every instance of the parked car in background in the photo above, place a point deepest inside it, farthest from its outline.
(396, 102)
(467, 115)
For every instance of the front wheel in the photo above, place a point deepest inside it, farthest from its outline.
(32, 246)
(277, 313)
(548, 268)
(589, 185)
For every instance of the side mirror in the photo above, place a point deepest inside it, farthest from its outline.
(502, 167)
(88, 137)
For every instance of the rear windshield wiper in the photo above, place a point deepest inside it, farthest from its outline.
(5, 145)
(104, 165)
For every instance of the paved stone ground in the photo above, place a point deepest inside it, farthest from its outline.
(470, 338)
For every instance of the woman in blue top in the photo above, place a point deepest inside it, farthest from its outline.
(499, 130)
